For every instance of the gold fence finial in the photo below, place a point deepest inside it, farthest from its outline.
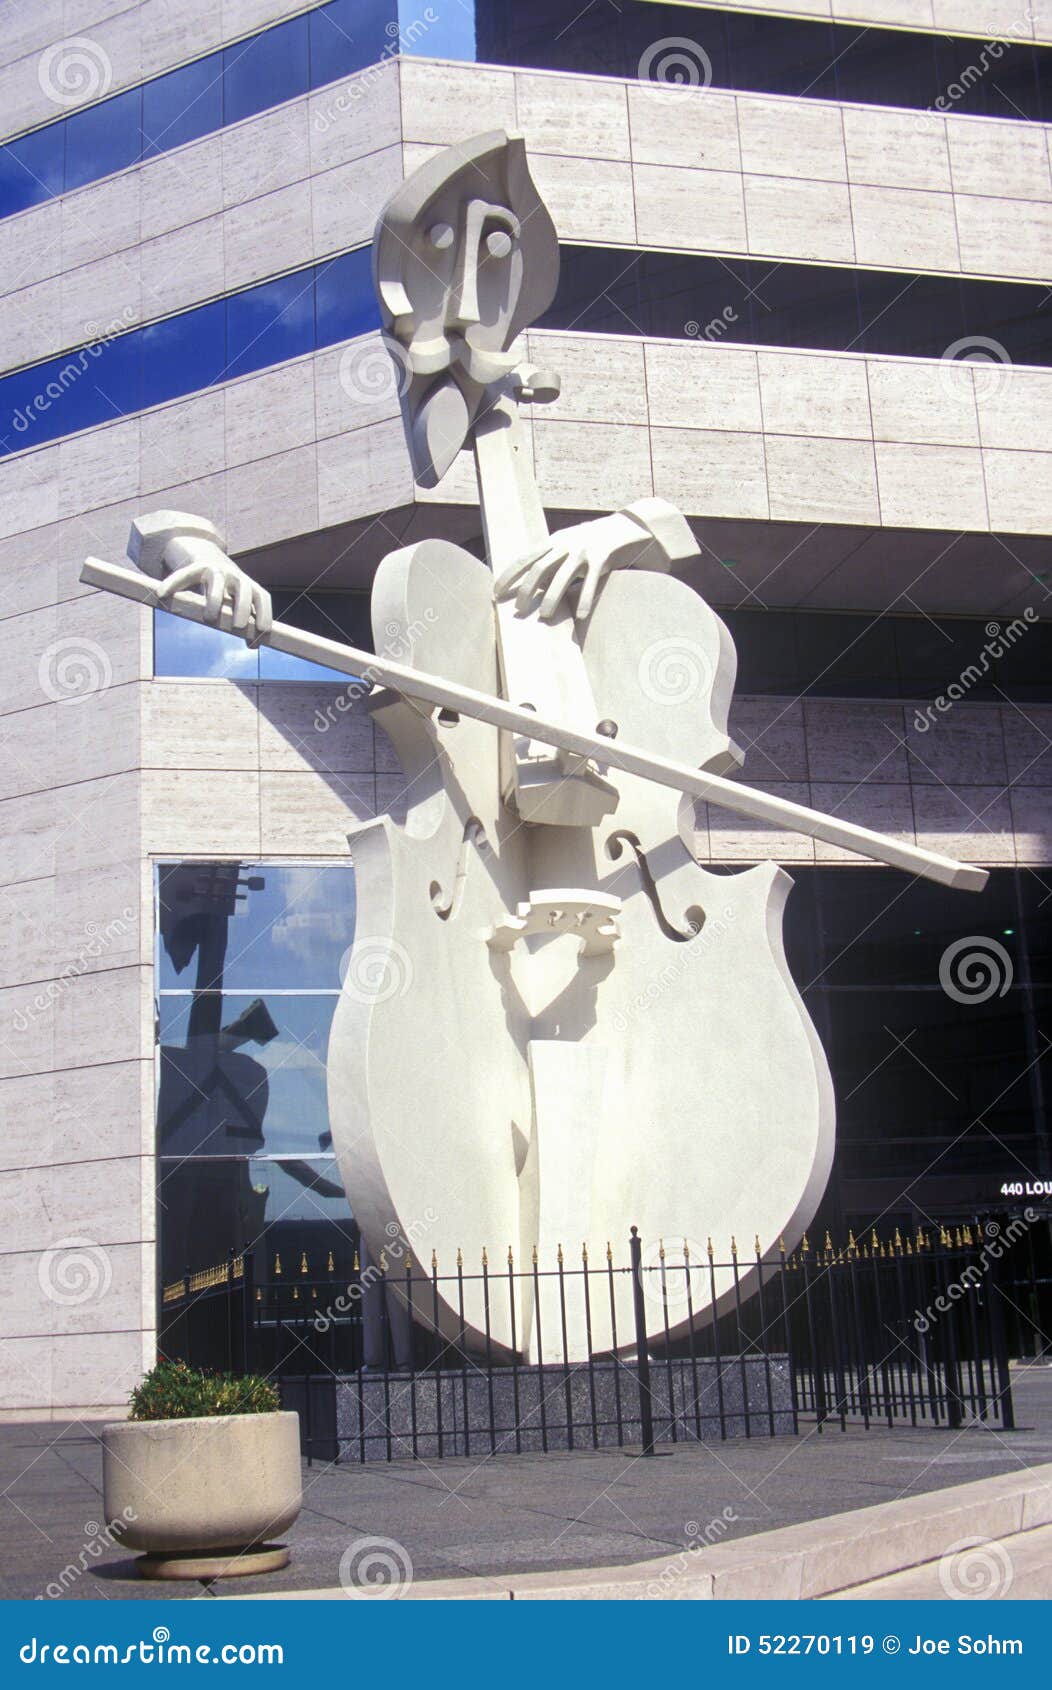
(734, 1248)
(756, 1245)
(460, 1257)
(511, 1258)
(535, 1255)
(686, 1250)
(609, 1253)
(303, 1262)
(584, 1251)
(708, 1248)
(277, 1265)
(559, 1255)
(330, 1265)
(383, 1261)
(434, 1263)
(485, 1257)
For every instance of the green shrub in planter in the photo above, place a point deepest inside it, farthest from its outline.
(173, 1391)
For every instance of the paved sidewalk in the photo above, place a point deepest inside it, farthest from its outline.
(542, 1513)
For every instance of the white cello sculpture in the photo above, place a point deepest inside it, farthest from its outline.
(576, 1028)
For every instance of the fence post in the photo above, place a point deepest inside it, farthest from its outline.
(248, 1312)
(186, 1312)
(999, 1343)
(646, 1403)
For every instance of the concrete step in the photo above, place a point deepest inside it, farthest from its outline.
(1019, 1567)
(969, 1534)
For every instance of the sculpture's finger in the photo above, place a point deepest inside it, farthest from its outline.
(189, 576)
(594, 572)
(506, 580)
(264, 610)
(244, 595)
(559, 585)
(215, 584)
(537, 578)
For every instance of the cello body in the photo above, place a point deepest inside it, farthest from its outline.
(548, 1034)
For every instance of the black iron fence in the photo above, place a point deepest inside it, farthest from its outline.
(671, 1346)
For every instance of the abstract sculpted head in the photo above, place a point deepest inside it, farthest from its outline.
(466, 257)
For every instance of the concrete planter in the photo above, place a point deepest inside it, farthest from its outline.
(204, 1497)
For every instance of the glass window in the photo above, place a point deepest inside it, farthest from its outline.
(269, 323)
(184, 353)
(31, 168)
(349, 34)
(236, 927)
(242, 1073)
(187, 648)
(264, 70)
(333, 616)
(346, 303)
(183, 105)
(103, 138)
(290, 1215)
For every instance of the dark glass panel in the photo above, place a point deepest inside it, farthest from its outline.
(248, 927)
(603, 290)
(31, 168)
(845, 656)
(768, 659)
(103, 138)
(767, 54)
(269, 323)
(346, 302)
(272, 1210)
(183, 104)
(1035, 897)
(185, 353)
(882, 929)
(265, 70)
(349, 34)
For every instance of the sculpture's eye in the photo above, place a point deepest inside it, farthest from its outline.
(498, 243)
(441, 236)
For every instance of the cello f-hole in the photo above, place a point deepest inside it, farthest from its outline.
(474, 837)
(695, 914)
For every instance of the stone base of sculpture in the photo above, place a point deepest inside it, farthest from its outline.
(380, 1418)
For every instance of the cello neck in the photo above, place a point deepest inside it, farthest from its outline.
(513, 519)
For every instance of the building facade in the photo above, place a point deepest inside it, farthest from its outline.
(807, 254)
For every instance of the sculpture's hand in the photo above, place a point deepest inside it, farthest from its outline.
(181, 551)
(647, 535)
(221, 581)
